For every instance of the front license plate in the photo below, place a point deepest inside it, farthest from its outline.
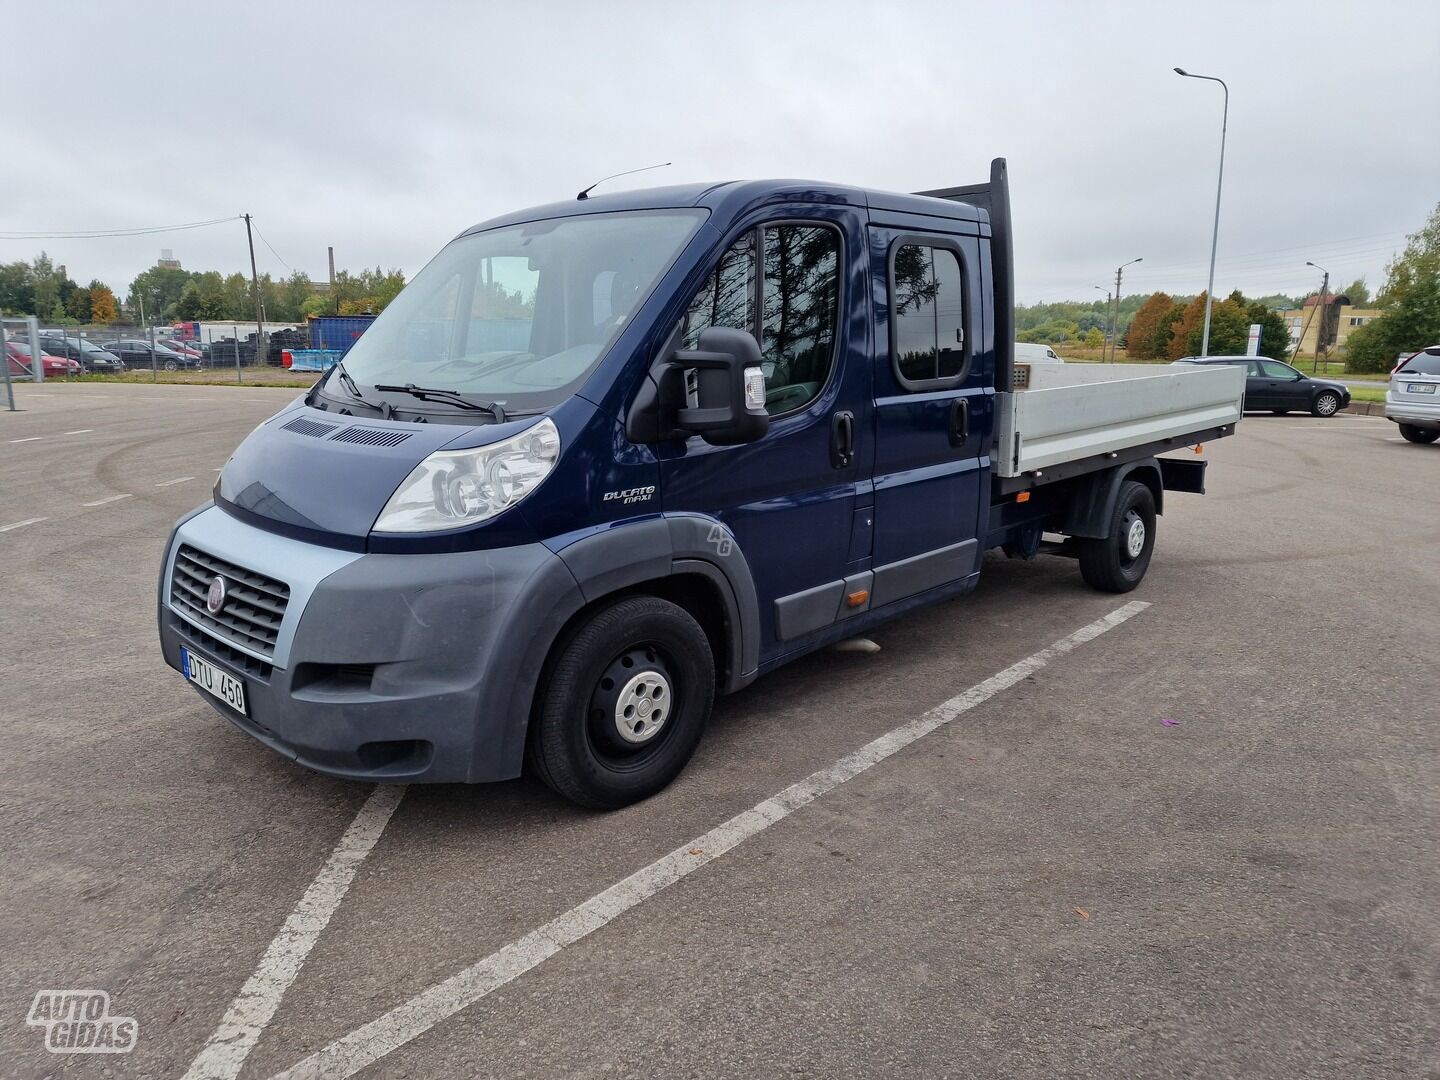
(213, 680)
(1420, 388)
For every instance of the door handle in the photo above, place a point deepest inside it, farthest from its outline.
(959, 421)
(842, 439)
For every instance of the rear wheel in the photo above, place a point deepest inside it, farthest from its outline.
(1415, 434)
(1326, 404)
(1117, 562)
(623, 703)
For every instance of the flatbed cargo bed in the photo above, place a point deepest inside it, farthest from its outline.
(1071, 412)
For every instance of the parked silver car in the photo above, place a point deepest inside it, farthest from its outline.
(1413, 400)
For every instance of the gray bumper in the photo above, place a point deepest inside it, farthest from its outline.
(387, 667)
(1420, 414)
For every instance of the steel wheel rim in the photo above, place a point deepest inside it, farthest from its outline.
(632, 708)
(1133, 535)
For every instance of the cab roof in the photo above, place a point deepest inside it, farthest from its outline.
(734, 198)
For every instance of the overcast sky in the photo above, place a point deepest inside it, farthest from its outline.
(386, 128)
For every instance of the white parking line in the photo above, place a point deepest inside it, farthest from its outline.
(258, 999)
(367, 1045)
(22, 524)
(112, 498)
(177, 480)
(82, 431)
(32, 438)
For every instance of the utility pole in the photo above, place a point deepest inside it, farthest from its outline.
(1324, 315)
(260, 356)
(333, 296)
(1115, 319)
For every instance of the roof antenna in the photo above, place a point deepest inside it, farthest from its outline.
(586, 193)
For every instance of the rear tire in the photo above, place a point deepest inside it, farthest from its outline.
(1118, 561)
(1326, 403)
(1414, 434)
(623, 702)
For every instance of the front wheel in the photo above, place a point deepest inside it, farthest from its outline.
(623, 702)
(1414, 434)
(1117, 561)
(1326, 404)
(171, 365)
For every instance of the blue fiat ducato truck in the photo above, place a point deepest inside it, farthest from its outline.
(604, 459)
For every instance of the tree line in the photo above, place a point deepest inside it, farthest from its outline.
(1167, 329)
(1409, 304)
(170, 294)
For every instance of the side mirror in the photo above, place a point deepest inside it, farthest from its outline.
(716, 391)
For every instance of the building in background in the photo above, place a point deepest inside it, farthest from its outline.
(1327, 328)
(167, 260)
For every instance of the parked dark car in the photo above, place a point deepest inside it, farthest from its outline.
(90, 356)
(1275, 385)
(135, 352)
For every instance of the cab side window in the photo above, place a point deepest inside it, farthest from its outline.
(797, 321)
(927, 308)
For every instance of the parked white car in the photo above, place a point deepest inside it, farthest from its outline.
(1036, 354)
(1413, 400)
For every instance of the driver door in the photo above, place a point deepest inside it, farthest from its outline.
(792, 499)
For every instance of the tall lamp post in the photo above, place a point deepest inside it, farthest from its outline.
(1215, 235)
(1115, 318)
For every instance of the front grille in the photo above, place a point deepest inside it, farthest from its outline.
(254, 605)
(222, 651)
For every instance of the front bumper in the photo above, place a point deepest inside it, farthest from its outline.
(1416, 413)
(418, 668)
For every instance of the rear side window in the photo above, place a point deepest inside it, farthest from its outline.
(1424, 364)
(927, 305)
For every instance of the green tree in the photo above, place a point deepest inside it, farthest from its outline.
(1229, 328)
(1409, 305)
(1094, 338)
(78, 306)
(1358, 292)
(17, 289)
(1274, 331)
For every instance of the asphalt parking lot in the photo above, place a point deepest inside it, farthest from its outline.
(1056, 882)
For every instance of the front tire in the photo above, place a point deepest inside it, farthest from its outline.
(623, 703)
(171, 365)
(1117, 562)
(1414, 434)
(1326, 404)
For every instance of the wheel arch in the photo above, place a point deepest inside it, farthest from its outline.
(1093, 501)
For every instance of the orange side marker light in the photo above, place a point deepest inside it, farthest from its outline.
(858, 597)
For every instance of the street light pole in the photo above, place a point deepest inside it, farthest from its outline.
(1219, 184)
(1115, 318)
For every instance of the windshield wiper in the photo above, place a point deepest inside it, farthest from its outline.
(385, 409)
(424, 393)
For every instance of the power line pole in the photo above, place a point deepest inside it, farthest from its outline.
(255, 281)
(1319, 302)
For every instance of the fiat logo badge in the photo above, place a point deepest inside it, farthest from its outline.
(215, 598)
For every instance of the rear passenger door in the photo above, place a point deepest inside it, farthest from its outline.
(932, 411)
(1258, 393)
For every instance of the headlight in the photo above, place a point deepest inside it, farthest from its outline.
(451, 488)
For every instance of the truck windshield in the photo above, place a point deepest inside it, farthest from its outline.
(520, 314)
